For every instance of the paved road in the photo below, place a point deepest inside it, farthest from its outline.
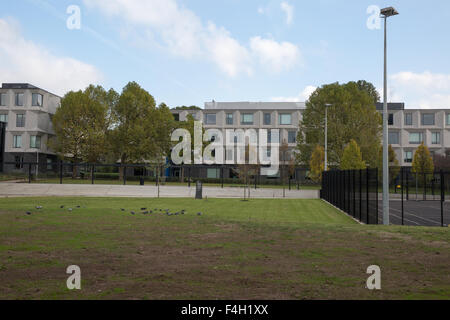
(416, 213)
(39, 190)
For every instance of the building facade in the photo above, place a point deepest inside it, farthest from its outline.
(408, 128)
(27, 113)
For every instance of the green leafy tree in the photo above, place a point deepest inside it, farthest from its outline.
(370, 89)
(352, 115)
(352, 158)
(394, 165)
(81, 125)
(140, 131)
(422, 162)
(317, 163)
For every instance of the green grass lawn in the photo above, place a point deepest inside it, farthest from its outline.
(260, 249)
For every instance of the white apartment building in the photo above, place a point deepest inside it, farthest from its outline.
(26, 112)
(407, 127)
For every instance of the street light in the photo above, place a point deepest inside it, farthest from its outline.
(326, 135)
(386, 13)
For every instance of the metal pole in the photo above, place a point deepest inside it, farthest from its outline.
(37, 166)
(442, 197)
(60, 172)
(326, 138)
(29, 173)
(385, 137)
(93, 174)
(376, 192)
(367, 194)
(124, 175)
(402, 178)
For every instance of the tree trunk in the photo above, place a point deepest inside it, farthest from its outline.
(121, 169)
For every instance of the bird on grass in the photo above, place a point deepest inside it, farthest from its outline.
(199, 213)
(122, 209)
(78, 206)
(70, 209)
(132, 212)
(62, 207)
(28, 213)
(38, 207)
(145, 212)
(143, 209)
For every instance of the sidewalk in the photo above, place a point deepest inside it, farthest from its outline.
(8, 189)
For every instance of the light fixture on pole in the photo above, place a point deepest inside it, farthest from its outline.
(386, 13)
(326, 136)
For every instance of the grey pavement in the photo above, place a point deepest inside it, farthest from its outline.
(8, 189)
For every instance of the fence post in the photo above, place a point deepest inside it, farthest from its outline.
(367, 194)
(407, 185)
(376, 193)
(221, 174)
(402, 184)
(124, 175)
(60, 172)
(29, 173)
(360, 195)
(92, 173)
(424, 186)
(189, 179)
(442, 197)
(354, 192)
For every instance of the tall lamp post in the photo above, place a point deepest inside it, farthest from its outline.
(386, 13)
(326, 136)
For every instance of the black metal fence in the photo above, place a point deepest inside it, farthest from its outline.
(415, 199)
(163, 174)
(353, 191)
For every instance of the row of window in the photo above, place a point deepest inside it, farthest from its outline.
(248, 119)
(428, 119)
(20, 119)
(36, 99)
(35, 142)
(414, 138)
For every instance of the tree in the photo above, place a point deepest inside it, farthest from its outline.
(246, 170)
(317, 163)
(352, 115)
(441, 162)
(135, 126)
(81, 124)
(352, 158)
(370, 89)
(422, 162)
(394, 165)
(187, 108)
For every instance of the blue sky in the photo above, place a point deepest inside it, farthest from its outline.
(186, 52)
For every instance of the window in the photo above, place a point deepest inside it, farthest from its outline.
(408, 156)
(408, 119)
(17, 142)
(393, 137)
(35, 142)
(176, 117)
(428, 119)
(2, 99)
(19, 99)
(229, 155)
(415, 137)
(210, 118)
(229, 118)
(20, 121)
(435, 138)
(3, 118)
(448, 119)
(267, 119)
(391, 119)
(49, 164)
(247, 118)
(19, 162)
(213, 173)
(36, 100)
(285, 119)
(269, 136)
(292, 137)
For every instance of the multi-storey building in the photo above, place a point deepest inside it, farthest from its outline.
(408, 128)
(27, 112)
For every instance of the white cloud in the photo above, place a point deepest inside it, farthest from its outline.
(289, 11)
(420, 90)
(302, 96)
(275, 55)
(22, 60)
(179, 30)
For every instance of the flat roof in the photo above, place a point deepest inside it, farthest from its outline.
(24, 86)
(246, 105)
